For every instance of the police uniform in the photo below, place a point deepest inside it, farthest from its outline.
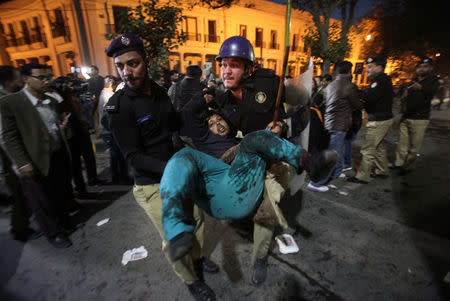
(142, 126)
(254, 112)
(415, 119)
(378, 105)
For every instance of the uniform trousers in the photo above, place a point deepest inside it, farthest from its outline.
(373, 150)
(410, 141)
(223, 191)
(148, 197)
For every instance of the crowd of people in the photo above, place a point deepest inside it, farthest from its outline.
(193, 143)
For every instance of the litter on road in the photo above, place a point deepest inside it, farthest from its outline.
(286, 244)
(134, 254)
(343, 192)
(103, 221)
(332, 186)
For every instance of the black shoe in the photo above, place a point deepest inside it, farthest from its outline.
(319, 165)
(259, 271)
(26, 235)
(180, 245)
(60, 241)
(377, 176)
(209, 266)
(201, 292)
(357, 181)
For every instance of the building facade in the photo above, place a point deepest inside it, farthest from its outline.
(71, 33)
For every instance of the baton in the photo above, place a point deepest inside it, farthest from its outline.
(280, 86)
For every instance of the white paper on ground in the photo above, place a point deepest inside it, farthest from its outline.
(343, 192)
(134, 254)
(103, 221)
(286, 244)
(332, 186)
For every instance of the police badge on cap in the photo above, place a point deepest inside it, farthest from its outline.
(425, 60)
(124, 43)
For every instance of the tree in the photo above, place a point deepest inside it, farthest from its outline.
(330, 46)
(214, 4)
(404, 31)
(157, 25)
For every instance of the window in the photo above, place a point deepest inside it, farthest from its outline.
(25, 33)
(212, 37)
(295, 42)
(243, 31)
(59, 28)
(37, 35)
(191, 29)
(259, 37)
(273, 40)
(118, 13)
(12, 36)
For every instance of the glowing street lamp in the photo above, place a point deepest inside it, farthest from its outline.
(437, 54)
(368, 37)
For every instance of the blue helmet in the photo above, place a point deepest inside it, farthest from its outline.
(236, 46)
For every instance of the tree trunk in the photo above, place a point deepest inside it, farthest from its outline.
(326, 66)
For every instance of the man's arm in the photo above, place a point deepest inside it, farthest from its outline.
(353, 97)
(193, 118)
(11, 138)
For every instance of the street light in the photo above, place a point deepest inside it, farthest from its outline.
(368, 37)
(437, 54)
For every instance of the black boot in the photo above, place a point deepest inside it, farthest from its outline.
(205, 265)
(180, 245)
(318, 165)
(201, 292)
(259, 271)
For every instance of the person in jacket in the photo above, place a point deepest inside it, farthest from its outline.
(31, 132)
(416, 115)
(341, 98)
(188, 86)
(378, 105)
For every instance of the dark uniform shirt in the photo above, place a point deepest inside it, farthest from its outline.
(378, 98)
(418, 102)
(142, 126)
(255, 110)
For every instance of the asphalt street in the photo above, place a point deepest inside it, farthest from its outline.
(388, 240)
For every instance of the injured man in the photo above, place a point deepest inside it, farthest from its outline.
(227, 191)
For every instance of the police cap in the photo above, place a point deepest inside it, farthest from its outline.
(377, 60)
(425, 60)
(124, 43)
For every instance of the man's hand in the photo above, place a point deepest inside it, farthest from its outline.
(27, 171)
(277, 129)
(208, 98)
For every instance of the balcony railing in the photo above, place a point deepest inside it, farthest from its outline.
(259, 43)
(11, 43)
(194, 37)
(274, 46)
(212, 38)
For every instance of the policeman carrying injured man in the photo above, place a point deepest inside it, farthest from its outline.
(191, 176)
(142, 120)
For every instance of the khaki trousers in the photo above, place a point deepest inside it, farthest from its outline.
(148, 197)
(410, 141)
(275, 185)
(374, 150)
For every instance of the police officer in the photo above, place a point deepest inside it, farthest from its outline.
(416, 114)
(249, 104)
(378, 105)
(142, 119)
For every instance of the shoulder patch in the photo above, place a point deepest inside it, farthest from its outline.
(373, 85)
